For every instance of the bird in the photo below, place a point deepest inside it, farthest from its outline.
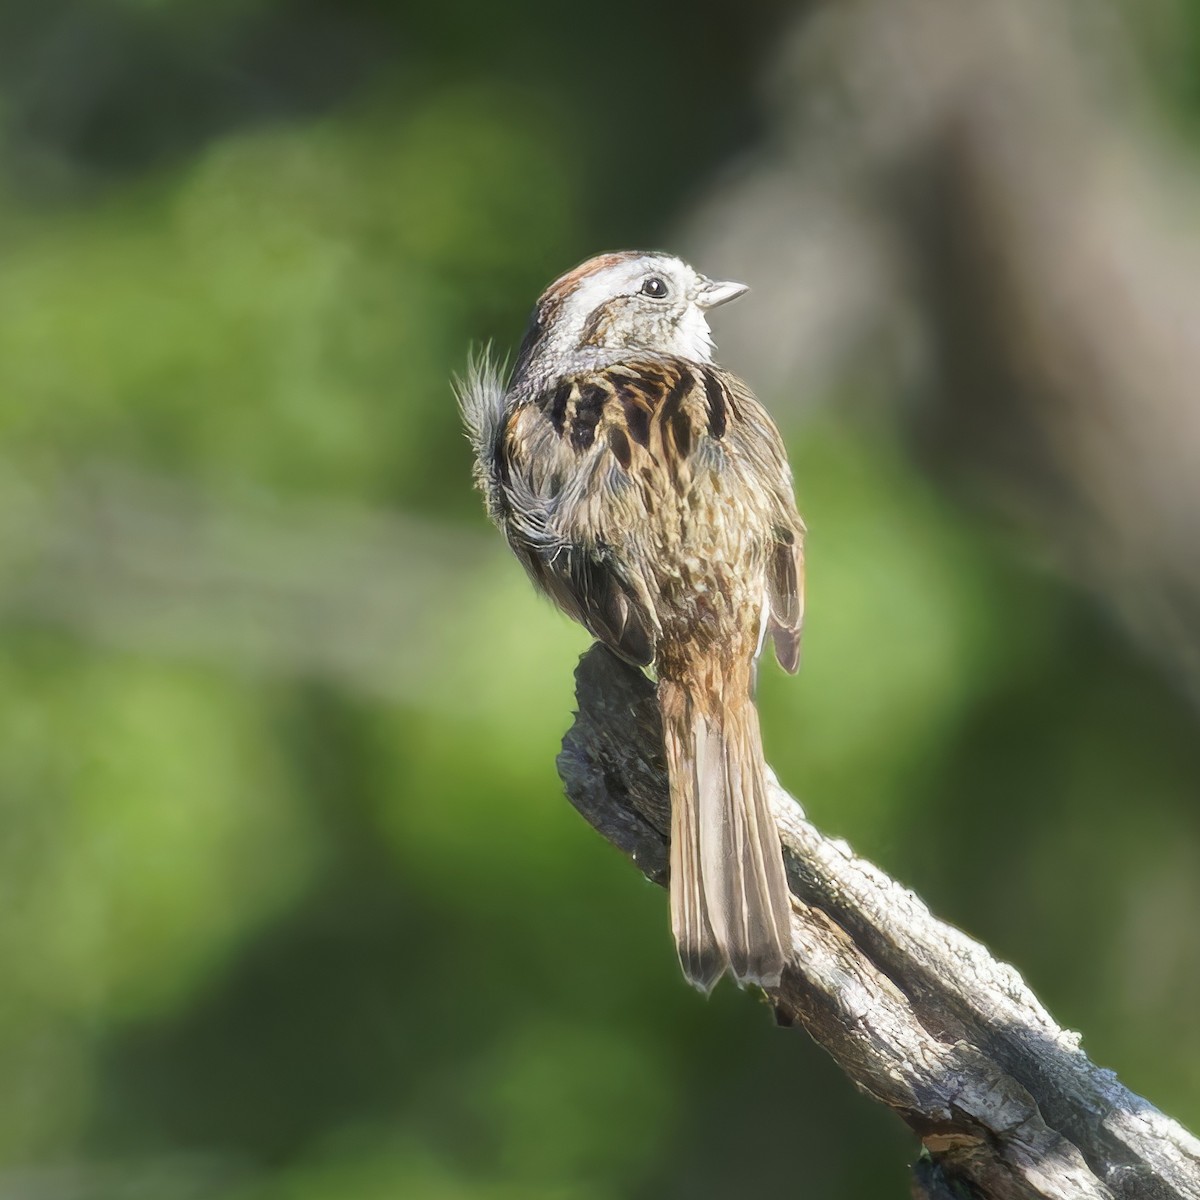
(647, 493)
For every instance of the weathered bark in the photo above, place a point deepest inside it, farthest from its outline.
(919, 1016)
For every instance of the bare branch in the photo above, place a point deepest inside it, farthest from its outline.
(921, 1017)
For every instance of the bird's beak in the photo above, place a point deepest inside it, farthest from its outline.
(713, 293)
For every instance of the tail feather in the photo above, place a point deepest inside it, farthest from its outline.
(700, 954)
(730, 903)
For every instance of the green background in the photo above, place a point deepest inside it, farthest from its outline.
(291, 906)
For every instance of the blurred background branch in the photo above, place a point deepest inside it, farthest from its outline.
(919, 1016)
(333, 592)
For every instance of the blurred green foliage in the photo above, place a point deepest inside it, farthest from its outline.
(269, 937)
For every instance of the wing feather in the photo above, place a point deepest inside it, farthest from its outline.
(555, 463)
(785, 595)
(759, 439)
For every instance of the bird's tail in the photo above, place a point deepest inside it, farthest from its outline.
(730, 904)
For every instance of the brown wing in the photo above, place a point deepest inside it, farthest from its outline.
(569, 454)
(752, 427)
(557, 453)
(785, 594)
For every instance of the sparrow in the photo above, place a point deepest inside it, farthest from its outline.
(647, 493)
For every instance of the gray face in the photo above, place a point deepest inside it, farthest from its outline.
(629, 301)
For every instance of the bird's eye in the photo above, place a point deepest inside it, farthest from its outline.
(654, 287)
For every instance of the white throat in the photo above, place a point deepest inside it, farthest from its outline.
(693, 336)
